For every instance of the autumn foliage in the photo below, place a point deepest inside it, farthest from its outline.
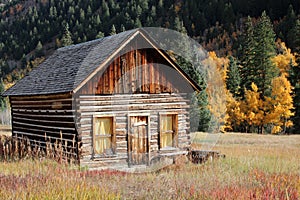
(253, 111)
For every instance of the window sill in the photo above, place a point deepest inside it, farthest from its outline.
(97, 157)
(168, 149)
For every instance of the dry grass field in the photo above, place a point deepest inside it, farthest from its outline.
(255, 167)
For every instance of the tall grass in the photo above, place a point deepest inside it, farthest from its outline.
(14, 148)
(255, 167)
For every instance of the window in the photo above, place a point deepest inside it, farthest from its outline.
(168, 130)
(103, 136)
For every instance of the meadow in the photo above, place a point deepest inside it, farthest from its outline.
(255, 167)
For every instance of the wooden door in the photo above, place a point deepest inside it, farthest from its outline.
(138, 146)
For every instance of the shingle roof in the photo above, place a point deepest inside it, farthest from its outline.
(68, 67)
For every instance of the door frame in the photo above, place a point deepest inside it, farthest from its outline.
(129, 131)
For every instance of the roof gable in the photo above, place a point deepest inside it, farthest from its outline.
(69, 68)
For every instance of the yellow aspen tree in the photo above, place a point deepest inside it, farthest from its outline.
(216, 89)
(251, 107)
(220, 62)
(236, 117)
(285, 59)
(279, 105)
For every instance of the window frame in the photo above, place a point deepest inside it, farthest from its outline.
(174, 131)
(113, 136)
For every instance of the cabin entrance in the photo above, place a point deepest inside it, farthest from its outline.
(138, 140)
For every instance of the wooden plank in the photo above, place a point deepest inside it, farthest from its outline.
(141, 95)
(43, 131)
(42, 116)
(135, 107)
(156, 78)
(42, 126)
(42, 137)
(48, 122)
(115, 75)
(41, 97)
(129, 101)
(151, 78)
(39, 101)
(91, 112)
(111, 78)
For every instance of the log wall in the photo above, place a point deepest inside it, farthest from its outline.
(45, 117)
(123, 106)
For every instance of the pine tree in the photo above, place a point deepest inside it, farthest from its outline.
(137, 23)
(178, 25)
(100, 35)
(233, 79)
(295, 78)
(113, 30)
(122, 28)
(98, 21)
(228, 16)
(248, 70)
(39, 50)
(66, 39)
(82, 15)
(264, 52)
(105, 10)
(287, 26)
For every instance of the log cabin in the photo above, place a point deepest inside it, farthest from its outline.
(119, 101)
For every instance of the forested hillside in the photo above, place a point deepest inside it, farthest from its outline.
(262, 81)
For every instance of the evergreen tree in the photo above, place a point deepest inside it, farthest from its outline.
(248, 70)
(100, 35)
(228, 16)
(122, 28)
(105, 10)
(287, 26)
(82, 15)
(39, 50)
(66, 39)
(137, 23)
(233, 79)
(97, 22)
(264, 52)
(295, 78)
(294, 37)
(113, 30)
(178, 25)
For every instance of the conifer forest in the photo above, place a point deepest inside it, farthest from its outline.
(255, 45)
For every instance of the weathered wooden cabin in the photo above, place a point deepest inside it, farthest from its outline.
(121, 99)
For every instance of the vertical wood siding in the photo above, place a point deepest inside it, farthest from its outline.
(137, 71)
